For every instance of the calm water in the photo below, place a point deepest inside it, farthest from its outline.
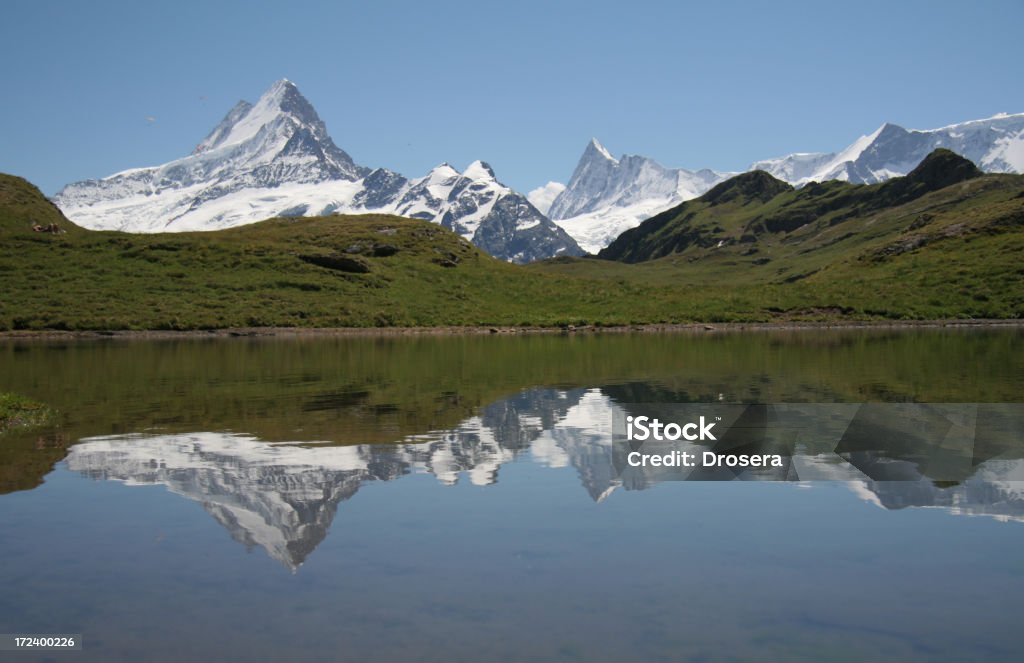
(444, 499)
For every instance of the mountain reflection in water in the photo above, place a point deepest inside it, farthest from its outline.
(283, 497)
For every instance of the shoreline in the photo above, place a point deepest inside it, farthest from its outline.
(691, 327)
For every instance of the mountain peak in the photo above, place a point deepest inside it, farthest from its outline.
(479, 170)
(594, 175)
(283, 93)
(944, 167)
(275, 158)
(595, 150)
(281, 102)
(941, 168)
(754, 185)
(444, 168)
(284, 97)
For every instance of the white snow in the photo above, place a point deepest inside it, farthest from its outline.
(478, 170)
(855, 149)
(607, 196)
(595, 230)
(989, 143)
(604, 151)
(266, 111)
(1006, 154)
(241, 176)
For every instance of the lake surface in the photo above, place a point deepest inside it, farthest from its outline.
(458, 498)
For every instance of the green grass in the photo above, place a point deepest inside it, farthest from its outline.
(18, 412)
(279, 272)
(954, 253)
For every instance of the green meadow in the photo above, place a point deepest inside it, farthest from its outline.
(952, 253)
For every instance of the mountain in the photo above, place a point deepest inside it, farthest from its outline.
(270, 147)
(904, 249)
(607, 195)
(995, 144)
(760, 218)
(275, 158)
(474, 205)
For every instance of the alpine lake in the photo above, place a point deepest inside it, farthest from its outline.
(458, 498)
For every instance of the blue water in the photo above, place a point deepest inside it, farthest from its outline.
(527, 568)
(505, 537)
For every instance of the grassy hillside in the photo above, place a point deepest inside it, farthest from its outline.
(945, 241)
(22, 205)
(327, 272)
(753, 249)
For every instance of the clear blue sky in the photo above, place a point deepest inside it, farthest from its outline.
(96, 87)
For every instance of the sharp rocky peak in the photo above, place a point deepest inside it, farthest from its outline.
(595, 150)
(242, 122)
(285, 96)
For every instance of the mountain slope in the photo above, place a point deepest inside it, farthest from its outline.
(755, 209)
(278, 141)
(607, 196)
(474, 205)
(23, 206)
(755, 250)
(369, 270)
(996, 144)
(275, 158)
(944, 241)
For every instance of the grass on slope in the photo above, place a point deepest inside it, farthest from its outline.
(954, 253)
(284, 272)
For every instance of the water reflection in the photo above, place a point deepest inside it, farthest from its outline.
(283, 497)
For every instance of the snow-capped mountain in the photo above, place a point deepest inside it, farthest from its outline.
(279, 141)
(471, 203)
(996, 145)
(607, 196)
(275, 158)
